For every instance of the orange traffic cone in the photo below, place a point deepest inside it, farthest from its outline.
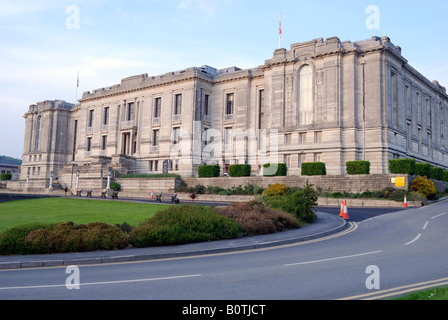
(405, 201)
(341, 214)
(345, 215)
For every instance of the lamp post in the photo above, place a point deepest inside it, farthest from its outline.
(109, 175)
(51, 181)
(78, 173)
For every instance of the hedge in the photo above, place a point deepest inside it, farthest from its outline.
(209, 171)
(240, 170)
(314, 169)
(437, 173)
(5, 177)
(358, 167)
(282, 170)
(423, 169)
(402, 166)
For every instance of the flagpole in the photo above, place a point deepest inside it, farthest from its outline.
(280, 32)
(77, 86)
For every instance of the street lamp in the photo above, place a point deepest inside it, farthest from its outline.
(109, 175)
(51, 181)
(78, 173)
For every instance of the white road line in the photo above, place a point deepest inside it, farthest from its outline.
(426, 225)
(102, 283)
(438, 216)
(333, 259)
(415, 240)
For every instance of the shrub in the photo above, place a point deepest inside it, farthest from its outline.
(255, 218)
(5, 176)
(269, 170)
(423, 169)
(358, 167)
(115, 186)
(184, 224)
(69, 237)
(240, 170)
(314, 169)
(11, 241)
(402, 166)
(424, 186)
(209, 171)
(276, 189)
(302, 204)
(445, 175)
(437, 173)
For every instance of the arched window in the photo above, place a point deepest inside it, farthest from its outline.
(38, 129)
(305, 96)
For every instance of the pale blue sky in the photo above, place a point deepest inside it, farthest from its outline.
(40, 56)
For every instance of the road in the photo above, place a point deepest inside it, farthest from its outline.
(375, 258)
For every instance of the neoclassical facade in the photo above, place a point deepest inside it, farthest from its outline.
(326, 101)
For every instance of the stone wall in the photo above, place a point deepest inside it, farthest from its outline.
(355, 183)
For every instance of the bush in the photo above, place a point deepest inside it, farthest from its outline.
(240, 170)
(423, 169)
(424, 186)
(402, 166)
(269, 170)
(64, 237)
(437, 173)
(11, 241)
(445, 175)
(115, 186)
(276, 189)
(209, 171)
(314, 169)
(358, 167)
(184, 224)
(255, 218)
(5, 177)
(300, 202)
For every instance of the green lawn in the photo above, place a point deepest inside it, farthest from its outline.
(57, 210)
(431, 294)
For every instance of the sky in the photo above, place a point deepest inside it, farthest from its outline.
(45, 43)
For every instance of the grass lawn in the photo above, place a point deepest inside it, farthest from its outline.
(57, 210)
(431, 294)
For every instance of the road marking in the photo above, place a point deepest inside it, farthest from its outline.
(400, 290)
(438, 216)
(415, 240)
(333, 259)
(426, 225)
(103, 283)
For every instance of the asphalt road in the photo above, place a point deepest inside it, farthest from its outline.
(382, 254)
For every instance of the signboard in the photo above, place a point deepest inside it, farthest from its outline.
(400, 182)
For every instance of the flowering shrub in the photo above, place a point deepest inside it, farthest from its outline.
(276, 189)
(424, 186)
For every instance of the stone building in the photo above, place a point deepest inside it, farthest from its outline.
(326, 101)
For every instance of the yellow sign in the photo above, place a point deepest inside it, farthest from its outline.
(400, 182)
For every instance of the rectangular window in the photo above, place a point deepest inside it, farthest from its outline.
(318, 136)
(178, 104)
(261, 110)
(106, 116)
(157, 107)
(419, 107)
(130, 112)
(230, 103)
(428, 113)
(103, 143)
(408, 100)
(175, 139)
(228, 138)
(302, 137)
(318, 157)
(155, 138)
(91, 115)
(89, 144)
(287, 139)
(287, 160)
(206, 105)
